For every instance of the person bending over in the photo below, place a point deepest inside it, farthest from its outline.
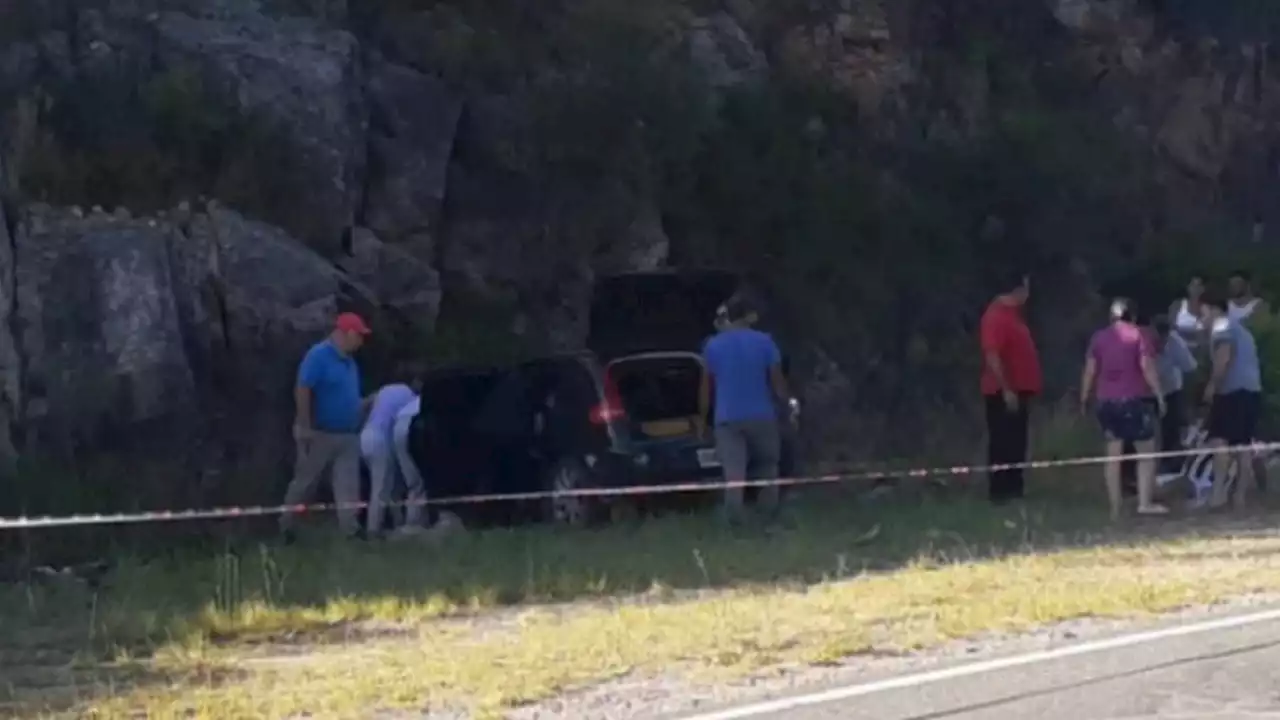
(378, 450)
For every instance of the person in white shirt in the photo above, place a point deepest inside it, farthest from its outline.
(1184, 314)
(415, 488)
(1243, 306)
(378, 451)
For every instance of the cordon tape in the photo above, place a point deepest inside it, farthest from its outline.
(227, 513)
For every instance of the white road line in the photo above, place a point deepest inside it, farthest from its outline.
(915, 680)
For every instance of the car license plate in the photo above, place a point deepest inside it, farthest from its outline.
(707, 458)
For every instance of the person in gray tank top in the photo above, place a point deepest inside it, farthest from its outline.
(1234, 397)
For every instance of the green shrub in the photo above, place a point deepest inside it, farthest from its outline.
(116, 141)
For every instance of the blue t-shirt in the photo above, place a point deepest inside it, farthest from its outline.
(334, 381)
(739, 361)
(1243, 373)
(386, 405)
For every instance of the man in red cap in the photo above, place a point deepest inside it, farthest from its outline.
(326, 428)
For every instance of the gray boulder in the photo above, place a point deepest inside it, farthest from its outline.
(414, 118)
(723, 51)
(163, 350)
(402, 284)
(303, 80)
(104, 367)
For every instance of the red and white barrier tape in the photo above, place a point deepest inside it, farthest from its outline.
(227, 513)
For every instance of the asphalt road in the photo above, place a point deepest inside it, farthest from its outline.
(1222, 674)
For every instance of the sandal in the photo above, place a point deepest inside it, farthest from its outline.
(1153, 509)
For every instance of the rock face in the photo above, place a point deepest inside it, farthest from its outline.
(305, 81)
(365, 171)
(404, 285)
(722, 50)
(10, 361)
(168, 345)
(414, 119)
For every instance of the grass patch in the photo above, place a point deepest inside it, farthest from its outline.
(493, 619)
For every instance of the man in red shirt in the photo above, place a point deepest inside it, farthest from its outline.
(1011, 377)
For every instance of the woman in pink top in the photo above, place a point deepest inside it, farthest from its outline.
(1121, 365)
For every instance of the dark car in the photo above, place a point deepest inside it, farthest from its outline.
(621, 414)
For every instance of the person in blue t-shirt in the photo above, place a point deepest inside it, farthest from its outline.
(326, 426)
(744, 366)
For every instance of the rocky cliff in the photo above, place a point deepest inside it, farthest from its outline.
(193, 187)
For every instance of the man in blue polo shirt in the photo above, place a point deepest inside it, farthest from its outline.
(326, 428)
(744, 366)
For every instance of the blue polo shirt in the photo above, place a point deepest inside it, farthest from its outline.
(739, 361)
(334, 381)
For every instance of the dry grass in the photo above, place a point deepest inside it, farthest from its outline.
(334, 630)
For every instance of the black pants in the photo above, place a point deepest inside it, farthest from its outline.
(1171, 432)
(1006, 444)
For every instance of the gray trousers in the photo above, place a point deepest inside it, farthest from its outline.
(749, 450)
(380, 458)
(339, 453)
(415, 489)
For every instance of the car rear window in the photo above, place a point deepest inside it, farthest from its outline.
(658, 388)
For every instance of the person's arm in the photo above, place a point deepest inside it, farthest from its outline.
(778, 382)
(992, 337)
(1150, 370)
(1223, 353)
(1183, 358)
(302, 407)
(777, 378)
(303, 393)
(1151, 374)
(704, 399)
(704, 390)
(1087, 378)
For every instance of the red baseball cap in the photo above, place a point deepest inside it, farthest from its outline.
(351, 322)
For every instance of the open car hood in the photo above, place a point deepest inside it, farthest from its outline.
(654, 311)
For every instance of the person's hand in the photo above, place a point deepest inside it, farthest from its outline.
(1162, 406)
(1084, 405)
(793, 405)
(1209, 392)
(302, 433)
(1011, 400)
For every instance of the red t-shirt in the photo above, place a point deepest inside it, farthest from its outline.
(1005, 333)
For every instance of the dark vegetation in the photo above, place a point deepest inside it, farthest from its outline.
(109, 140)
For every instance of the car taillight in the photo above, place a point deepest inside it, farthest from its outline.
(609, 409)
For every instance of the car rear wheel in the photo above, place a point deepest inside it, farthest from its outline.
(569, 510)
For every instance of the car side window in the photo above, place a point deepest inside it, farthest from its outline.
(568, 396)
